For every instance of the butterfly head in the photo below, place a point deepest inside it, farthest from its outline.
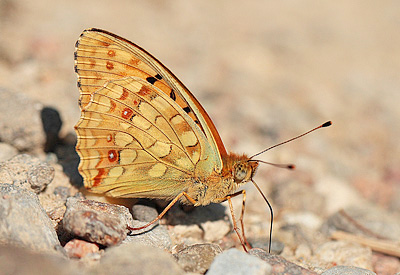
(244, 170)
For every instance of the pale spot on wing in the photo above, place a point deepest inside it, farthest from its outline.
(148, 111)
(176, 120)
(141, 122)
(160, 149)
(115, 172)
(103, 104)
(188, 138)
(157, 170)
(128, 156)
(124, 125)
(123, 139)
(183, 162)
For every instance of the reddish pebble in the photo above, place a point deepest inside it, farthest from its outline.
(79, 248)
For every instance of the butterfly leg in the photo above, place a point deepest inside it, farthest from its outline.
(242, 237)
(164, 211)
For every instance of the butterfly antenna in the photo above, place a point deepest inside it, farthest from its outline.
(279, 165)
(270, 210)
(326, 124)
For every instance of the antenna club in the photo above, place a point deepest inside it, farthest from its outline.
(291, 166)
(326, 124)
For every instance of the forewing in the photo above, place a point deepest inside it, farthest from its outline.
(101, 56)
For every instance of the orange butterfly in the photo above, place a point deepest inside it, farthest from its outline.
(142, 134)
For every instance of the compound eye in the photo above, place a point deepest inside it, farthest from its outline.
(240, 173)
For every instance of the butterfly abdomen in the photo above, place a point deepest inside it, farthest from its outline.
(210, 189)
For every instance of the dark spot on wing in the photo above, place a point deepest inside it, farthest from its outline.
(151, 79)
(186, 109)
(172, 95)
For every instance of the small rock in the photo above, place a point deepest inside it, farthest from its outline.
(154, 235)
(202, 224)
(144, 213)
(193, 232)
(24, 132)
(135, 258)
(54, 207)
(27, 171)
(98, 222)
(16, 260)
(23, 220)
(215, 230)
(385, 264)
(344, 253)
(233, 261)
(279, 264)
(348, 270)
(197, 258)
(80, 248)
(304, 219)
(263, 243)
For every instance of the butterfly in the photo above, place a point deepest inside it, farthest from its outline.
(143, 134)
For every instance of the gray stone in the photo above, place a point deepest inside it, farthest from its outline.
(263, 243)
(197, 258)
(348, 270)
(280, 263)
(19, 261)
(144, 213)
(24, 132)
(23, 220)
(98, 222)
(236, 262)
(134, 258)
(344, 253)
(154, 235)
(27, 171)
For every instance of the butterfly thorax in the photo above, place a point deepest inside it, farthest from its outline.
(237, 170)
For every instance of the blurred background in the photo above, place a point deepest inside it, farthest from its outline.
(264, 70)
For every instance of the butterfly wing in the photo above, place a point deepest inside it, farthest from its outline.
(141, 133)
(101, 56)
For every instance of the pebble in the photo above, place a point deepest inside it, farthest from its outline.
(203, 224)
(15, 260)
(98, 222)
(236, 262)
(27, 171)
(344, 253)
(24, 132)
(215, 230)
(80, 248)
(155, 235)
(24, 222)
(384, 264)
(136, 258)
(197, 258)
(144, 213)
(280, 265)
(348, 270)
